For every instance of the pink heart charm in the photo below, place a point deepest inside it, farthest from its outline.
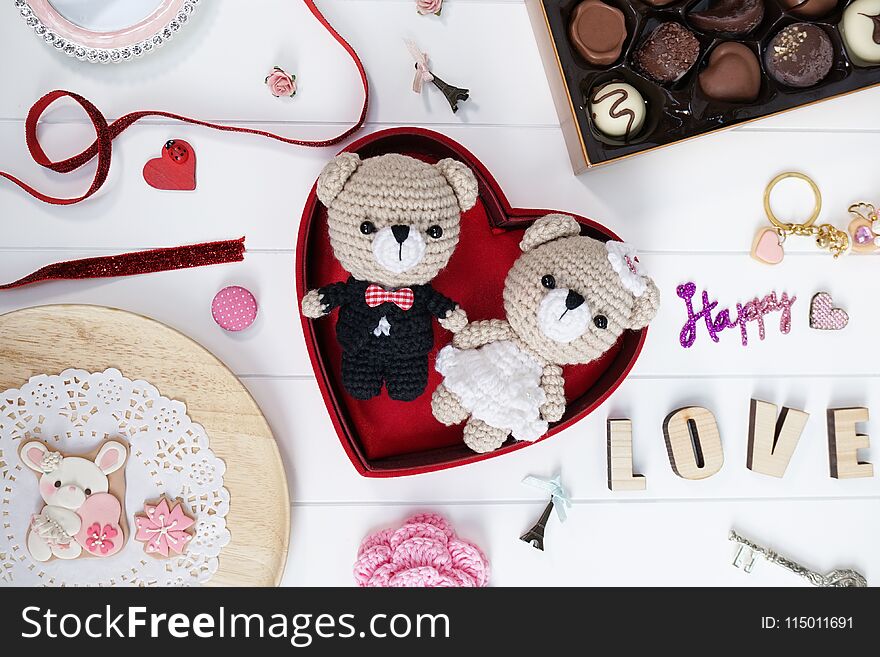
(767, 248)
(823, 314)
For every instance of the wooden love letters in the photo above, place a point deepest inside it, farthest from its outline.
(620, 458)
(693, 443)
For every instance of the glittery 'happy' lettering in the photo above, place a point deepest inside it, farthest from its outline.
(751, 311)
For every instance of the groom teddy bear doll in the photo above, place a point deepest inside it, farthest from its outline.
(393, 223)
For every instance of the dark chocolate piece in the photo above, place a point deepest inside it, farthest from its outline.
(733, 74)
(598, 32)
(659, 3)
(730, 16)
(800, 55)
(809, 8)
(668, 53)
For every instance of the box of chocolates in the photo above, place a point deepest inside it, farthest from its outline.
(629, 76)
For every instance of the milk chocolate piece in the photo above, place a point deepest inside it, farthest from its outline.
(730, 16)
(668, 53)
(800, 55)
(809, 8)
(733, 74)
(598, 32)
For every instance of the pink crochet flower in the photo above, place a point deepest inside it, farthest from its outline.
(424, 552)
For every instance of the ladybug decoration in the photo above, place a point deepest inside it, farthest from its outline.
(175, 169)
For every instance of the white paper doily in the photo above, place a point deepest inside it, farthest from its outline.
(169, 454)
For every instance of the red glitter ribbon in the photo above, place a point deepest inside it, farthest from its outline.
(105, 133)
(138, 262)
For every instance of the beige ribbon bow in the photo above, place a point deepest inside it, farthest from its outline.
(423, 73)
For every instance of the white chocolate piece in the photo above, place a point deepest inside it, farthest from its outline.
(618, 110)
(858, 28)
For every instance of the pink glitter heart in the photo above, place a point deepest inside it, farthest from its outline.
(823, 314)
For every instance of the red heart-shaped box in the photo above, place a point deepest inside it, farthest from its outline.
(387, 438)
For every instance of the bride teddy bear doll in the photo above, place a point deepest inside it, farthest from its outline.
(567, 298)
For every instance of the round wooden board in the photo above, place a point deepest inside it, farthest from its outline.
(51, 339)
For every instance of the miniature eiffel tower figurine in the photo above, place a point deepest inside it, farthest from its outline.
(535, 536)
(452, 94)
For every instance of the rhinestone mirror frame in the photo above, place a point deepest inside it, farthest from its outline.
(136, 41)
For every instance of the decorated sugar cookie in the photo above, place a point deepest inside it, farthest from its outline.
(83, 511)
(164, 527)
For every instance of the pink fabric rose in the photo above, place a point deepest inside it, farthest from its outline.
(429, 6)
(281, 83)
(424, 552)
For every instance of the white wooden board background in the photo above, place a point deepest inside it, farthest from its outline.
(692, 209)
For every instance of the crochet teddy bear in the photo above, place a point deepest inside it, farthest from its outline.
(394, 223)
(567, 299)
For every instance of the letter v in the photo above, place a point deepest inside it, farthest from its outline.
(772, 441)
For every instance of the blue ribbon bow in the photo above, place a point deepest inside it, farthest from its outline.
(557, 492)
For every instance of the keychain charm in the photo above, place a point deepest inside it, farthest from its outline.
(768, 244)
(864, 229)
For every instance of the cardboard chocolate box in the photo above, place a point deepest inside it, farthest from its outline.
(793, 53)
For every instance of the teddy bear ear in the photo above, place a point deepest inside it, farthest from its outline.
(462, 180)
(645, 306)
(335, 174)
(549, 228)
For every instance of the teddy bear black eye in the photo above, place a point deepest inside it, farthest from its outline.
(88, 491)
(58, 484)
(600, 321)
(367, 228)
(548, 281)
(435, 232)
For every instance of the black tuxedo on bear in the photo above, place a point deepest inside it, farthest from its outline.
(393, 351)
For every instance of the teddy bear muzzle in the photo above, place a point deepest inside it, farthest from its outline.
(563, 315)
(398, 248)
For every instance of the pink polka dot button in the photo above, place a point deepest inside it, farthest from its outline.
(234, 308)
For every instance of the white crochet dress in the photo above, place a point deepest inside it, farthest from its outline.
(499, 384)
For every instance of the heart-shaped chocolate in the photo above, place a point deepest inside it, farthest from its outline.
(175, 169)
(824, 316)
(767, 248)
(733, 74)
(387, 438)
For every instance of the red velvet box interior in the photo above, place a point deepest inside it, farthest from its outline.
(384, 437)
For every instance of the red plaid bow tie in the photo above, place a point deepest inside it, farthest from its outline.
(377, 295)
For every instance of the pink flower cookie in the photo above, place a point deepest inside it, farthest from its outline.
(423, 552)
(164, 529)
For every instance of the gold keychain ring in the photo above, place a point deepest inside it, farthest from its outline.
(783, 176)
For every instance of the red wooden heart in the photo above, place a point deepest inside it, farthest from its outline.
(387, 438)
(175, 169)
